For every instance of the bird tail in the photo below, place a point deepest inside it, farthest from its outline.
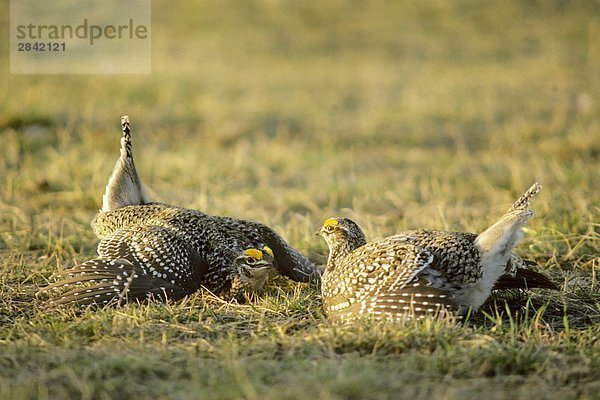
(124, 186)
(495, 244)
(101, 282)
(524, 279)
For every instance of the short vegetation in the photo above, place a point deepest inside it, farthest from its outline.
(396, 114)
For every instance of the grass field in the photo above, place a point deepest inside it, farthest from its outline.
(427, 115)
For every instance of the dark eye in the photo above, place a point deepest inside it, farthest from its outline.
(250, 260)
(330, 228)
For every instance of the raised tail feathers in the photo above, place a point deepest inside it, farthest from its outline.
(124, 186)
(496, 243)
(503, 236)
(523, 202)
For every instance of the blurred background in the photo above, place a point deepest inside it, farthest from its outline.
(430, 113)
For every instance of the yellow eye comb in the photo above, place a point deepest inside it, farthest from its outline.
(268, 250)
(331, 222)
(254, 253)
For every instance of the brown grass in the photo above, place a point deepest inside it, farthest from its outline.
(400, 116)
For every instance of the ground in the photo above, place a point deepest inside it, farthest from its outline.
(397, 114)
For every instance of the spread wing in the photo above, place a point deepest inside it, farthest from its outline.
(135, 263)
(396, 282)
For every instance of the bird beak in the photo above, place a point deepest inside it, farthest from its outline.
(319, 232)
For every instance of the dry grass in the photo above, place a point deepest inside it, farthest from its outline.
(400, 116)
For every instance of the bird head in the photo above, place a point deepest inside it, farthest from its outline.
(342, 232)
(255, 263)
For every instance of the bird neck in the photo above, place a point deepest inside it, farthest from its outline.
(336, 252)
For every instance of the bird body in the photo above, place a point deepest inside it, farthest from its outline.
(158, 250)
(217, 239)
(419, 272)
(177, 250)
(115, 281)
(385, 279)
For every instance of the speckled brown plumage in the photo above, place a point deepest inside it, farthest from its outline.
(186, 248)
(417, 272)
(118, 280)
(217, 239)
(378, 280)
(164, 251)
